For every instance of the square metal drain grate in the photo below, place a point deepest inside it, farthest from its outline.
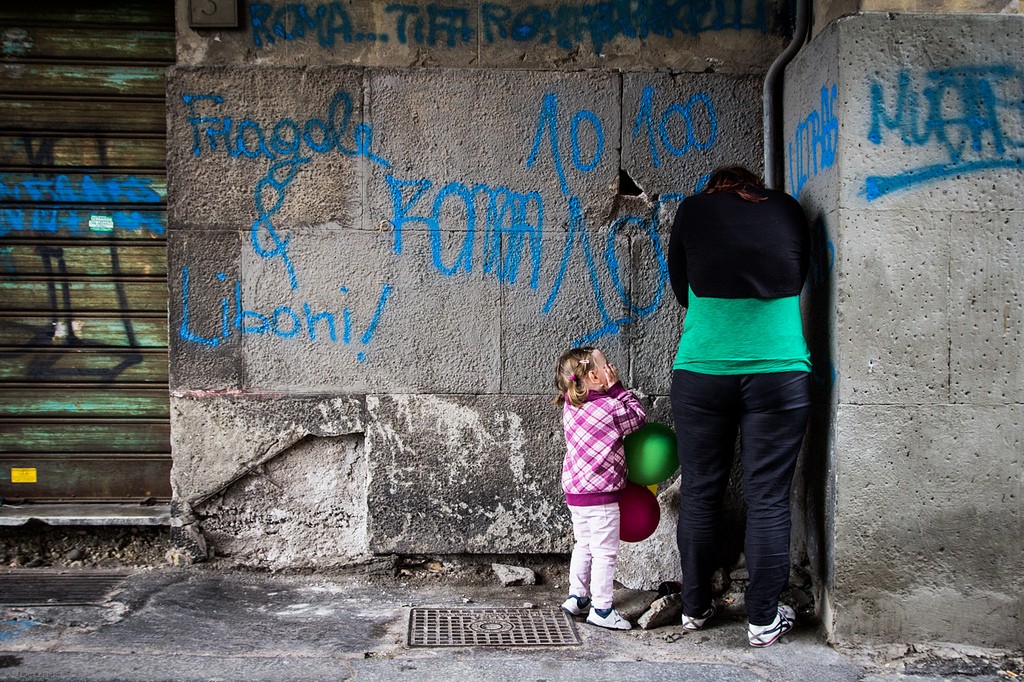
(491, 627)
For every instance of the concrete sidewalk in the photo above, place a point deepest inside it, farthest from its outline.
(202, 624)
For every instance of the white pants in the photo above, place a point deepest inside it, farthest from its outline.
(592, 567)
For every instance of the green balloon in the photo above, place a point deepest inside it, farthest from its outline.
(651, 454)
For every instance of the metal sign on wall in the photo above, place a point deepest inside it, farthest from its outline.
(84, 410)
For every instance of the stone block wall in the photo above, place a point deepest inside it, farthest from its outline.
(386, 221)
(905, 143)
(385, 224)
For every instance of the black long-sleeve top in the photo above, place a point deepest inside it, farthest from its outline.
(723, 246)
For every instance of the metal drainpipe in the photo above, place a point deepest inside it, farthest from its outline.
(772, 98)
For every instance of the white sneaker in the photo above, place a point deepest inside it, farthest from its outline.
(576, 606)
(694, 623)
(766, 635)
(613, 621)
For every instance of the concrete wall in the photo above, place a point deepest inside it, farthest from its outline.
(386, 224)
(824, 12)
(905, 142)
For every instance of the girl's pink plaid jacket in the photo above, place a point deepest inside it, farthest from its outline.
(594, 471)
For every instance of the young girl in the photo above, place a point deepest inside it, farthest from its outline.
(597, 412)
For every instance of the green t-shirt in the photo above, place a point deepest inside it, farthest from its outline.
(743, 336)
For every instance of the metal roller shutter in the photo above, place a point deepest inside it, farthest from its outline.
(84, 413)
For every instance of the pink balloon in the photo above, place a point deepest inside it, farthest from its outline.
(639, 513)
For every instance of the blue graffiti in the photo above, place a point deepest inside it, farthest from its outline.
(367, 336)
(696, 129)
(579, 234)
(501, 227)
(813, 147)
(510, 218)
(288, 146)
(571, 25)
(64, 189)
(77, 222)
(11, 629)
(547, 125)
(516, 219)
(447, 26)
(972, 115)
(293, 21)
(78, 189)
(567, 25)
(283, 321)
(661, 133)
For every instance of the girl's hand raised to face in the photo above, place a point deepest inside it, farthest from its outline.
(611, 376)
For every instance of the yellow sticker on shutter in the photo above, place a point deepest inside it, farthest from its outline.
(23, 475)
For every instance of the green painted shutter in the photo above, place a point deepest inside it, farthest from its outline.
(84, 412)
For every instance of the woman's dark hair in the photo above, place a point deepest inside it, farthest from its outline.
(736, 179)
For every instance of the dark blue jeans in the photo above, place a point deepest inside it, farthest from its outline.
(770, 412)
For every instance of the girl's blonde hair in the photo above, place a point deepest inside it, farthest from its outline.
(569, 372)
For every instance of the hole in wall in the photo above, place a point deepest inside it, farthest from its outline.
(627, 186)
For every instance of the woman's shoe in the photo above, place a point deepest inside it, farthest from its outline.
(694, 623)
(766, 635)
